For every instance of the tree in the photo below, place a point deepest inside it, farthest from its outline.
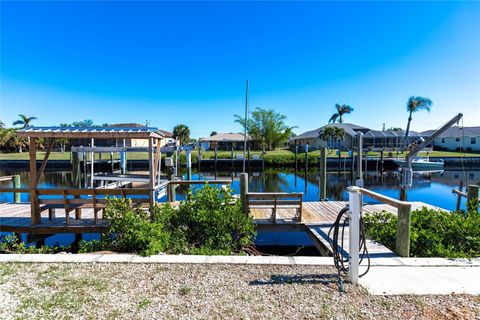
(2, 125)
(182, 133)
(330, 133)
(83, 123)
(341, 110)
(213, 133)
(24, 121)
(266, 128)
(415, 104)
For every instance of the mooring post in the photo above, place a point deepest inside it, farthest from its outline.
(16, 184)
(323, 174)
(459, 197)
(381, 161)
(359, 181)
(403, 230)
(244, 191)
(355, 205)
(296, 154)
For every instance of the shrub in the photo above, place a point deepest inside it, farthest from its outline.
(209, 221)
(11, 244)
(434, 233)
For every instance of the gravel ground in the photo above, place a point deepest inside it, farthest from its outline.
(183, 291)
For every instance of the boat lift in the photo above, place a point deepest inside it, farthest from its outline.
(407, 171)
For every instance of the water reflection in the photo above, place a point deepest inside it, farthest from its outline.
(432, 188)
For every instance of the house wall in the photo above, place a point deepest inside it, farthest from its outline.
(453, 143)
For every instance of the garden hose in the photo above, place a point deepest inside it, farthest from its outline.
(340, 257)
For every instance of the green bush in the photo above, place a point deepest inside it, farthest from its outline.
(209, 221)
(433, 233)
(11, 244)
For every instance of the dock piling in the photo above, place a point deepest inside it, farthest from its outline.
(323, 174)
(244, 191)
(16, 184)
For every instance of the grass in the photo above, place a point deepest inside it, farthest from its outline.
(57, 155)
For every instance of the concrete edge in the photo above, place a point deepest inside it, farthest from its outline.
(198, 259)
(166, 259)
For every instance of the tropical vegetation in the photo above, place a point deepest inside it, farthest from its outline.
(182, 133)
(202, 224)
(415, 104)
(24, 121)
(434, 233)
(342, 109)
(332, 133)
(266, 128)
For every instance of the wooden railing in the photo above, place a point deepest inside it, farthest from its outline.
(274, 201)
(403, 218)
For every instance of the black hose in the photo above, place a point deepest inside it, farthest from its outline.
(340, 257)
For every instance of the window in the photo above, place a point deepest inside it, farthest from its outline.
(473, 140)
(443, 140)
(457, 139)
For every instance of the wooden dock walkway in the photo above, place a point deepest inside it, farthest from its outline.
(317, 218)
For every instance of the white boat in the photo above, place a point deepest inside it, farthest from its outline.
(422, 164)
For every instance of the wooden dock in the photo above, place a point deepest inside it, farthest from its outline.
(317, 218)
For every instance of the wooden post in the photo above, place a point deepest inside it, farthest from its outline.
(323, 174)
(92, 163)
(381, 161)
(459, 197)
(296, 155)
(339, 160)
(233, 161)
(16, 184)
(244, 191)
(403, 230)
(34, 214)
(171, 188)
(151, 174)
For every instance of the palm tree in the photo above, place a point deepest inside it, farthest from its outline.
(415, 104)
(341, 110)
(182, 133)
(2, 125)
(213, 133)
(24, 121)
(332, 133)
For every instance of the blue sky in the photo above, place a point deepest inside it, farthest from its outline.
(187, 63)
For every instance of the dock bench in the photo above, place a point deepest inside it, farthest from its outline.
(274, 201)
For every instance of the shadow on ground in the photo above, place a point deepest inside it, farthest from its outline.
(326, 279)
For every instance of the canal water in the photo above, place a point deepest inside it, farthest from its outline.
(434, 188)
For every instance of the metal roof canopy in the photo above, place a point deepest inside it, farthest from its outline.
(91, 132)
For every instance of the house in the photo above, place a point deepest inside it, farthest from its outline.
(372, 139)
(223, 141)
(312, 137)
(457, 138)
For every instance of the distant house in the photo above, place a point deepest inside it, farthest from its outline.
(457, 138)
(169, 138)
(223, 141)
(372, 139)
(312, 137)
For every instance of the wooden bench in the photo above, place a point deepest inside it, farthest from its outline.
(71, 200)
(274, 201)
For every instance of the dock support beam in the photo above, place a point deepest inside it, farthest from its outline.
(16, 185)
(244, 191)
(323, 174)
(35, 219)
